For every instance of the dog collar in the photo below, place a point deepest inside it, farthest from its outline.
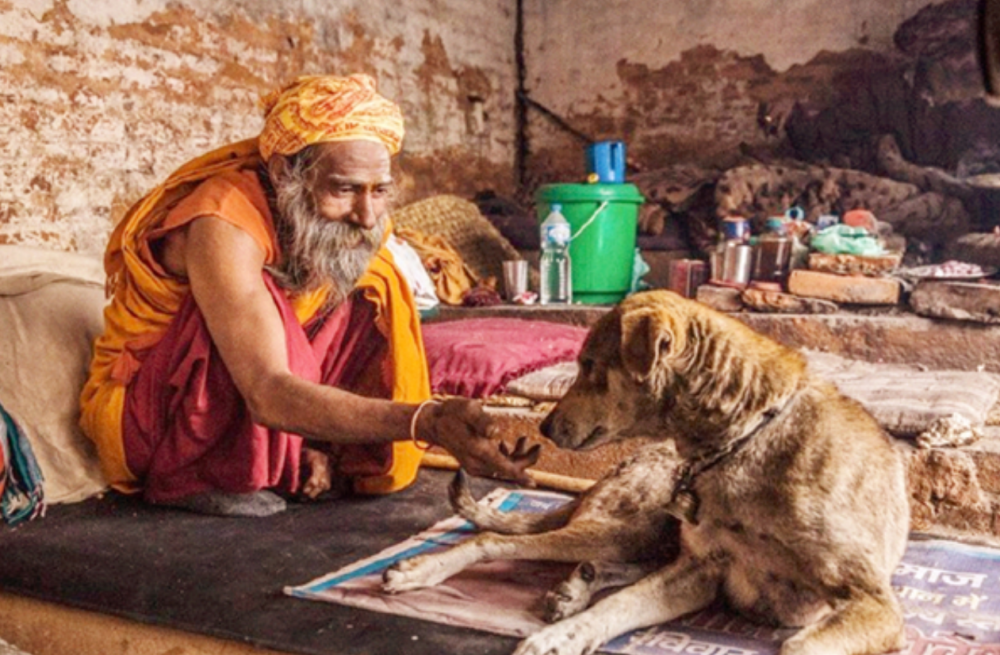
(684, 502)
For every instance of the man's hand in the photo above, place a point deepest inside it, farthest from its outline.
(462, 428)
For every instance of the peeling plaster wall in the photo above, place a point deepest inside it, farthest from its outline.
(100, 100)
(681, 80)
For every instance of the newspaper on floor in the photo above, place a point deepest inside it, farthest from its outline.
(950, 593)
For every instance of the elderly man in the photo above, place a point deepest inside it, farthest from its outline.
(254, 304)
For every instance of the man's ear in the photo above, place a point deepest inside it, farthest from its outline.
(277, 168)
(646, 341)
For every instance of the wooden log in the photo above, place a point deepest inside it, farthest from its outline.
(543, 478)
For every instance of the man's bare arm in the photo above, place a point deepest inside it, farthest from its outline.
(224, 265)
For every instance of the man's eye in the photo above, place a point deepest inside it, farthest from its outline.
(344, 190)
(382, 191)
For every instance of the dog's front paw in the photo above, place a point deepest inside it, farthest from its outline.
(405, 575)
(563, 638)
(410, 574)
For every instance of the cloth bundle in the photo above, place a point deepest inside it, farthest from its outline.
(21, 494)
(452, 279)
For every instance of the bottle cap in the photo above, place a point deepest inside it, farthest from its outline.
(556, 207)
(775, 224)
(795, 213)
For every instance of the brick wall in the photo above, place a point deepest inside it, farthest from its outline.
(682, 81)
(100, 100)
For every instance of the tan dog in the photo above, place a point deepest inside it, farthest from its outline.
(791, 499)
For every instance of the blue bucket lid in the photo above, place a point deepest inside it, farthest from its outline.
(563, 193)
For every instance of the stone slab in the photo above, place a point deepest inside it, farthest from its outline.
(853, 264)
(897, 339)
(777, 302)
(723, 299)
(852, 289)
(964, 301)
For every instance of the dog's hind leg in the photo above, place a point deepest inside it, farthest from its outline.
(685, 586)
(574, 594)
(867, 625)
(574, 543)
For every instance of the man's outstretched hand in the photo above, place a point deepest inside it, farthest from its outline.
(461, 427)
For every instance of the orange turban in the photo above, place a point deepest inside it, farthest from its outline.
(322, 108)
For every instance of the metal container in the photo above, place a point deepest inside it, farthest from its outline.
(731, 264)
(515, 278)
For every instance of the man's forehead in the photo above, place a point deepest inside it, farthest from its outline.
(361, 160)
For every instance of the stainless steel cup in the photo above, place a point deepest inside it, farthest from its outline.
(736, 261)
(515, 278)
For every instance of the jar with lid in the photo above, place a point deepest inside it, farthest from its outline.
(772, 254)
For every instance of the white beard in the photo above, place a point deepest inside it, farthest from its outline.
(316, 251)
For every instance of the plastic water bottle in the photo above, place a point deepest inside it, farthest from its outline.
(556, 280)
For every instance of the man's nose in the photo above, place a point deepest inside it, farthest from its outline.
(364, 210)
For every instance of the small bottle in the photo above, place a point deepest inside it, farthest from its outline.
(554, 266)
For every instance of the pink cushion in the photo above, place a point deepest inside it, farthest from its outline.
(476, 357)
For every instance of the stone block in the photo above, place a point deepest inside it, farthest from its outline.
(723, 299)
(776, 302)
(854, 264)
(986, 456)
(853, 289)
(965, 301)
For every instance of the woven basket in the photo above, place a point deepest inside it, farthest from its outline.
(477, 241)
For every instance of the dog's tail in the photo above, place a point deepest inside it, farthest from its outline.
(488, 518)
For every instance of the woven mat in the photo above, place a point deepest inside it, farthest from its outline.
(480, 244)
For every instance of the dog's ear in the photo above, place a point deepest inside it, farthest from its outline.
(646, 339)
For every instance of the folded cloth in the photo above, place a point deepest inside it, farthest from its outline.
(452, 278)
(904, 400)
(51, 310)
(22, 498)
(413, 270)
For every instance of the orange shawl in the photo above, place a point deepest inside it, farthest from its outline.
(145, 299)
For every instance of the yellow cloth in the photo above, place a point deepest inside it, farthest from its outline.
(145, 299)
(323, 108)
(451, 277)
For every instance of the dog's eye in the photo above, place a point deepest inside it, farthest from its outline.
(586, 368)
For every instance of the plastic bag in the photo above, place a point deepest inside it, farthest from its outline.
(846, 240)
(639, 269)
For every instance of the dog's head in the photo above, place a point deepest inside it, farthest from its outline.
(659, 363)
(625, 366)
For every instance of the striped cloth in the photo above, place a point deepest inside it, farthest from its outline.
(21, 494)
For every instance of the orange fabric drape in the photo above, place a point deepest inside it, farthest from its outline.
(145, 299)
(451, 277)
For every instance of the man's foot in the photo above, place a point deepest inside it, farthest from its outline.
(319, 481)
(218, 503)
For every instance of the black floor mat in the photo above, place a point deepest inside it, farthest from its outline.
(223, 577)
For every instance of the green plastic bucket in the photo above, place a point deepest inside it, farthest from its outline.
(604, 219)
